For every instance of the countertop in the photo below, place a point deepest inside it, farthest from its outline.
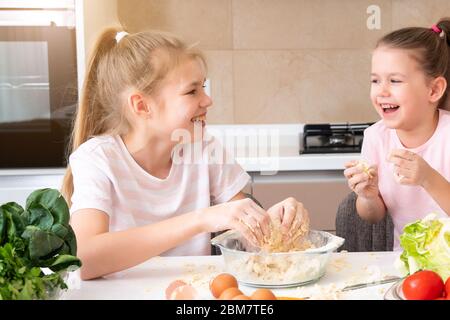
(304, 162)
(150, 279)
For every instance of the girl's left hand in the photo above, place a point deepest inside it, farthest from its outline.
(410, 168)
(290, 214)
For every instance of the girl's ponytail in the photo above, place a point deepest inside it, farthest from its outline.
(444, 26)
(90, 113)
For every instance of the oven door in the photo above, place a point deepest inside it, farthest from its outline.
(38, 94)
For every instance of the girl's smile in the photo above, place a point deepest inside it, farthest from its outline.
(200, 119)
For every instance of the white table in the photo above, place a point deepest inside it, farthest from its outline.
(150, 279)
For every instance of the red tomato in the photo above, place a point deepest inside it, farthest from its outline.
(447, 288)
(423, 285)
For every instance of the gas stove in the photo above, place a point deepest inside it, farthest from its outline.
(333, 138)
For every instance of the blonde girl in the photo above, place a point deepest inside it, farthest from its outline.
(408, 148)
(129, 200)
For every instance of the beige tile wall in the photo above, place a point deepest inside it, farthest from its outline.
(412, 13)
(283, 61)
(97, 15)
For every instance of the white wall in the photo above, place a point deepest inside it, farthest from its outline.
(17, 187)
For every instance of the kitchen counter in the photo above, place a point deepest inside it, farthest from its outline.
(304, 162)
(287, 160)
(150, 279)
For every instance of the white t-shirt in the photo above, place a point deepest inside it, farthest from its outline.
(107, 178)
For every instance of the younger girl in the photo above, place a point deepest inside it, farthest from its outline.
(129, 200)
(408, 148)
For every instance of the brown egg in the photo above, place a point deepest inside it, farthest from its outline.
(230, 293)
(172, 286)
(263, 294)
(185, 292)
(222, 282)
(242, 297)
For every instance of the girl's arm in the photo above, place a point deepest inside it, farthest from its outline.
(243, 195)
(412, 169)
(371, 209)
(103, 252)
(364, 182)
(439, 189)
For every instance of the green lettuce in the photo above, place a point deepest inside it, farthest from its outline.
(426, 246)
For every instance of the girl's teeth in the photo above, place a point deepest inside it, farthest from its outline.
(388, 106)
(200, 118)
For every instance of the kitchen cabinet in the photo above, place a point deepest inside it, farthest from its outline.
(319, 191)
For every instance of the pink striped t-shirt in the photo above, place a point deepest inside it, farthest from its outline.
(407, 203)
(107, 178)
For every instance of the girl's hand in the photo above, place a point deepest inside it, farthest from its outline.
(409, 167)
(362, 181)
(291, 215)
(243, 215)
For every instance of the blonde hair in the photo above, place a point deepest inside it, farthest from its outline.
(139, 61)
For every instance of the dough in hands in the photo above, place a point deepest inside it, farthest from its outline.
(295, 242)
(365, 167)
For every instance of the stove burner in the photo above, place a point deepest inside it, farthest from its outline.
(333, 138)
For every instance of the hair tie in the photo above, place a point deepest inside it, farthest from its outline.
(120, 35)
(436, 29)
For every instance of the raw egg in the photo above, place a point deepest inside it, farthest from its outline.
(172, 286)
(263, 294)
(222, 282)
(230, 293)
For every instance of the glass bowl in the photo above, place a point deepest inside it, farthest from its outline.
(55, 293)
(276, 270)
